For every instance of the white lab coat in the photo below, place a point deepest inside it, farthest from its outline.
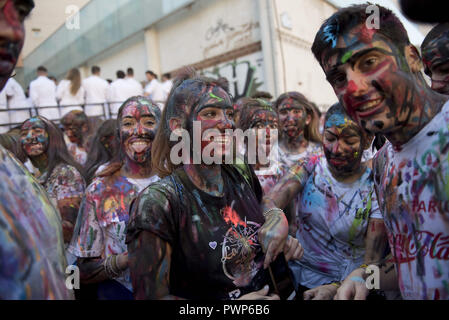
(156, 92)
(43, 94)
(119, 91)
(166, 86)
(16, 99)
(65, 97)
(4, 117)
(96, 91)
(136, 87)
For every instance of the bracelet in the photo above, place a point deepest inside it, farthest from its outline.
(363, 266)
(336, 284)
(358, 279)
(265, 214)
(111, 273)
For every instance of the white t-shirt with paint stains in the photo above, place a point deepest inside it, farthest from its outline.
(413, 189)
(332, 219)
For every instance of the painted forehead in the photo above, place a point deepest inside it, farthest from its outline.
(437, 50)
(290, 103)
(137, 108)
(214, 96)
(33, 123)
(341, 121)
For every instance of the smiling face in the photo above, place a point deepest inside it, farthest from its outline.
(138, 124)
(293, 118)
(372, 79)
(342, 144)
(34, 137)
(265, 121)
(436, 59)
(216, 114)
(12, 34)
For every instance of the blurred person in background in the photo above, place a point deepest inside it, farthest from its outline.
(119, 92)
(96, 90)
(16, 99)
(76, 134)
(70, 93)
(166, 84)
(153, 90)
(43, 94)
(136, 88)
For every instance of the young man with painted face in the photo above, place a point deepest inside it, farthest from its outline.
(61, 176)
(338, 215)
(299, 137)
(99, 237)
(435, 56)
(31, 243)
(199, 233)
(376, 75)
(76, 128)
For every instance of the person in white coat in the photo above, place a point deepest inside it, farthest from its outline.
(119, 92)
(153, 89)
(70, 93)
(166, 84)
(136, 88)
(96, 93)
(43, 95)
(16, 99)
(4, 118)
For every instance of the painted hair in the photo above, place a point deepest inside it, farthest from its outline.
(347, 18)
(57, 152)
(435, 42)
(118, 159)
(312, 132)
(99, 152)
(250, 107)
(188, 88)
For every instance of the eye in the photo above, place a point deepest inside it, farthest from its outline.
(338, 80)
(230, 114)
(351, 141)
(283, 112)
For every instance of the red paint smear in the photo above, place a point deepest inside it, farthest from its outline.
(229, 215)
(365, 34)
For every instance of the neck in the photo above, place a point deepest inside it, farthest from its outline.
(294, 145)
(426, 103)
(136, 170)
(40, 162)
(206, 177)
(348, 177)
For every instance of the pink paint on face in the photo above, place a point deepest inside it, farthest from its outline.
(34, 137)
(292, 118)
(265, 120)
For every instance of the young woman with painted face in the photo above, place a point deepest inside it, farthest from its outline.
(340, 226)
(99, 237)
(61, 176)
(299, 128)
(76, 129)
(199, 233)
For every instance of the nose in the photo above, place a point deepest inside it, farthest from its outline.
(357, 84)
(226, 122)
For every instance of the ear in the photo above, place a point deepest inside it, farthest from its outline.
(308, 119)
(174, 124)
(413, 58)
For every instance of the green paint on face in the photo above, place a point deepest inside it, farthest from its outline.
(215, 97)
(346, 56)
(356, 154)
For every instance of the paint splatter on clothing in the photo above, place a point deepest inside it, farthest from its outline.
(288, 160)
(77, 153)
(413, 189)
(268, 177)
(216, 252)
(100, 229)
(64, 182)
(333, 219)
(32, 261)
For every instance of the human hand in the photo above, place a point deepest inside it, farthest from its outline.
(324, 292)
(293, 250)
(353, 288)
(122, 261)
(262, 294)
(273, 235)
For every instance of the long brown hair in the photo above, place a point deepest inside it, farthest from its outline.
(312, 132)
(184, 95)
(75, 80)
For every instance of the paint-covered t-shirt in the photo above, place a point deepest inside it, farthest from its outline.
(268, 177)
(32, 260)
(289, 160)
(100, 229)
(77, 153)
(214, 240)
(332, 217)
(64, 182)
(413, 189)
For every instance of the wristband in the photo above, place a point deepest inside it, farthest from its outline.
(357, 279)
(336, 284)
(265, 214)
(363, 266)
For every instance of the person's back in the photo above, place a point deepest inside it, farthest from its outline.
(43, 94)
(96, 92)
(4, 117)
(70, 93)
(30, 237)
(16, 99)
(119, 93)
(136, 87)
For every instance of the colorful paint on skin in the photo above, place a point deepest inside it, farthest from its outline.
(435, 56)
(12, 15)
(34, 137)
(292, 118)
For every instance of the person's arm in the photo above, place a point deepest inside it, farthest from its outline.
(68, 208)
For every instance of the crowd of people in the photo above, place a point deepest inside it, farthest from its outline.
(95, 96)
(316, 199)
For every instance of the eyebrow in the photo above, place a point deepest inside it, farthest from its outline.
(216, 105)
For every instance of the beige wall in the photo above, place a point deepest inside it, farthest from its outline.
(48, 16)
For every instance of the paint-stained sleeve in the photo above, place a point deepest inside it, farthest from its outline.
(375, 210)
(152, 211)
(87, 240)
(70, 183)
